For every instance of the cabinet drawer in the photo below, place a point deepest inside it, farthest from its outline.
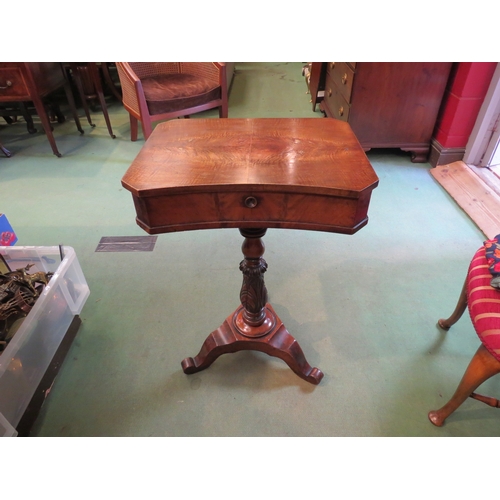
(341, 75)
(337, 106)
(12, 84)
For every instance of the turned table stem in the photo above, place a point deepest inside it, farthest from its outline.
(254, 325)
(253, 293)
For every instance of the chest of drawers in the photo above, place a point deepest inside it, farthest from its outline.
(388, 105)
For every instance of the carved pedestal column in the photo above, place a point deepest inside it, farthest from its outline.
(254, 325)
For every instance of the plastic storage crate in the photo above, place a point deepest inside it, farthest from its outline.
(28, 355)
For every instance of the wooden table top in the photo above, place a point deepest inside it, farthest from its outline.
(307, 155)
(296, 173)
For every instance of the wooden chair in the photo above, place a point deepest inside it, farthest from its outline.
(154, 92)
(483, 302)
(88, 82)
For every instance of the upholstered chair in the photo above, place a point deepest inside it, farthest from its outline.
(483, 303)
(160, 91)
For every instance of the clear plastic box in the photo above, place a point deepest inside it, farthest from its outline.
(28, 355)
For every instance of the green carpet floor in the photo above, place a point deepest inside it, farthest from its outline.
(363, 307)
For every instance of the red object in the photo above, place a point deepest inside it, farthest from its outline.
(7, 239)
(484, 303)
(463, 98)
(7, 235)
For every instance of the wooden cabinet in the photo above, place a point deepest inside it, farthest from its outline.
(388, 105)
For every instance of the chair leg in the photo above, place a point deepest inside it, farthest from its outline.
(445, 324)
(147, 129)
(223, 110)
(482, 367)
(133, 128)
(27, 117)
(100, 94)
(72, 106)
(79, 86)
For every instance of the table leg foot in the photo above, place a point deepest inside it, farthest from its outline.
(277, 342)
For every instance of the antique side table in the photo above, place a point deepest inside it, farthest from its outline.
(252, 174)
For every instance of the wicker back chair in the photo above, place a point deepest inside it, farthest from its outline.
(160, 91)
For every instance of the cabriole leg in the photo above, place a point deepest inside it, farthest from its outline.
(482, 367)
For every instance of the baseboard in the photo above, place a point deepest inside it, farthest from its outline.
(440, 155)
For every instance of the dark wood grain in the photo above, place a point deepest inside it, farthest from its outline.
(303, 173)
(388, 105)
(252, 174)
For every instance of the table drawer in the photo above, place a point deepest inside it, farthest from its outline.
(12, 84)
(180, 212)
(341, 75)
(337, 106)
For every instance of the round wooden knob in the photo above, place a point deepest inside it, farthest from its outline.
(341, 111)
(344, 78)
(251, 202)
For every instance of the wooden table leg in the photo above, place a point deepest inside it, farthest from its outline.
(42, 114)
(254, 325)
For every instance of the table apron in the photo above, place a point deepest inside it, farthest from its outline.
(181, 212)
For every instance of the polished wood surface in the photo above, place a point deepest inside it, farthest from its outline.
(388, 105)
(282, 173)
(252, 174)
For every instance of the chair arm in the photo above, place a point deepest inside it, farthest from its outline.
(132, 90)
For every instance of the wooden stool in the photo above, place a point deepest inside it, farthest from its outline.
(483, 302)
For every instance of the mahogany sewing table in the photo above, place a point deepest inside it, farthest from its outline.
(252, 174)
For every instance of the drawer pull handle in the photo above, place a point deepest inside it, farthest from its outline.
(251, 202)
(332, 65)
(330, 92)
(8, 83)
(341, 111)
(344, 78)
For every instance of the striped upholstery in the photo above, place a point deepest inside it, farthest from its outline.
(484, 303)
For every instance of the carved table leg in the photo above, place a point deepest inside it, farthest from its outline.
(254, 325)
